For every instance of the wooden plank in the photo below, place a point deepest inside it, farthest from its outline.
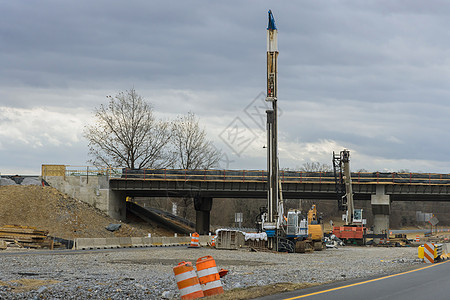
(23, 230)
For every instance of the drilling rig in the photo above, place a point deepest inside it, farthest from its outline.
(353, 231)
(292, 232)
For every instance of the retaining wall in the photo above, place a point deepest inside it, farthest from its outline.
(93, 190)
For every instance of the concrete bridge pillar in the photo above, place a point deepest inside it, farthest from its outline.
(381, 211)
(202, 214)
(117, 206)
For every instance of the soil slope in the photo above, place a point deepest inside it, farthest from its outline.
(47, 208)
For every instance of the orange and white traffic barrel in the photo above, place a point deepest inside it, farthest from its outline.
(417, 238)
(187, 281)
(209, 276)
(195, 240)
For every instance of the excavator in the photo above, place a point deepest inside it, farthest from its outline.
(354, 231)
(314, 239)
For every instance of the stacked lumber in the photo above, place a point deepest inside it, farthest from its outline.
(25, 236)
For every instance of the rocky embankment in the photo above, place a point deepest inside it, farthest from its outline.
(148, 273)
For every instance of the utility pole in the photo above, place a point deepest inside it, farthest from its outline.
(272, 226)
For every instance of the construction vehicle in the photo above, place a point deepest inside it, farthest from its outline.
(313, 237)
(354, 231)
(297, 233)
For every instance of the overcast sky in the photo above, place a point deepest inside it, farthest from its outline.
(370, 76)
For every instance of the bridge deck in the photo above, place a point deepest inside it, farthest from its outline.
(253, 184)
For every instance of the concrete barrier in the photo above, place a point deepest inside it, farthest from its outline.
(127, 242)
(83, 243)
(137, 242)
(99, 243)
(157, 241)
(147, 241)
(112, 243)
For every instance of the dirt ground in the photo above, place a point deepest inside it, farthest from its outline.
(48, 209)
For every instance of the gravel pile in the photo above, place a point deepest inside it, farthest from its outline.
(20, 181)
(147, 273)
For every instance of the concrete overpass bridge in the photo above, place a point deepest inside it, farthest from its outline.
(295, 185)
(113, 186)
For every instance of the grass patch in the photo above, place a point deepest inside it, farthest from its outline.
(26, 285)
(260, 291)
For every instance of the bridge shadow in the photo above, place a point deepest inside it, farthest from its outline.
(163, 218)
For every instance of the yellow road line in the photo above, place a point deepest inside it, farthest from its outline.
(363, 282)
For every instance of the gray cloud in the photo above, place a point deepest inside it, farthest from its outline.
(371, 76)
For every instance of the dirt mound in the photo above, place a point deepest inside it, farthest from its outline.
(48, 209)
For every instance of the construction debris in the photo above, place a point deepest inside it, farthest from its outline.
(333, 241)
(25, 236)
(3, 245)
(399, 240)
(113, 227)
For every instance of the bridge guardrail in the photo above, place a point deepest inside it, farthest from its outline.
(257, 176)
(285, 176)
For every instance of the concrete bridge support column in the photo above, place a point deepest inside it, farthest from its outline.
(202, 214)
(117, 206)
(381, 211)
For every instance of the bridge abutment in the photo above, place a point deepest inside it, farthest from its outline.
(381, 211)
(203, 207)
(117, 206)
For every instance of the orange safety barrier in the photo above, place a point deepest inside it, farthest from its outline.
(187, 281)
(195, 240)
(209, 276)
(417, 238)
(428, 253)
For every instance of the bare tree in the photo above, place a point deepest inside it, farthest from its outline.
(126, 134)
(191, 148)
(315, 167)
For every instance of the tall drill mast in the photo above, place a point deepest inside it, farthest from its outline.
(345, 156)
(274, 207)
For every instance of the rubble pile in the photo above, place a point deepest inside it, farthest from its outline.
(58, 214)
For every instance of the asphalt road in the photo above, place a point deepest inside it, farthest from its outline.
(427, 282)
